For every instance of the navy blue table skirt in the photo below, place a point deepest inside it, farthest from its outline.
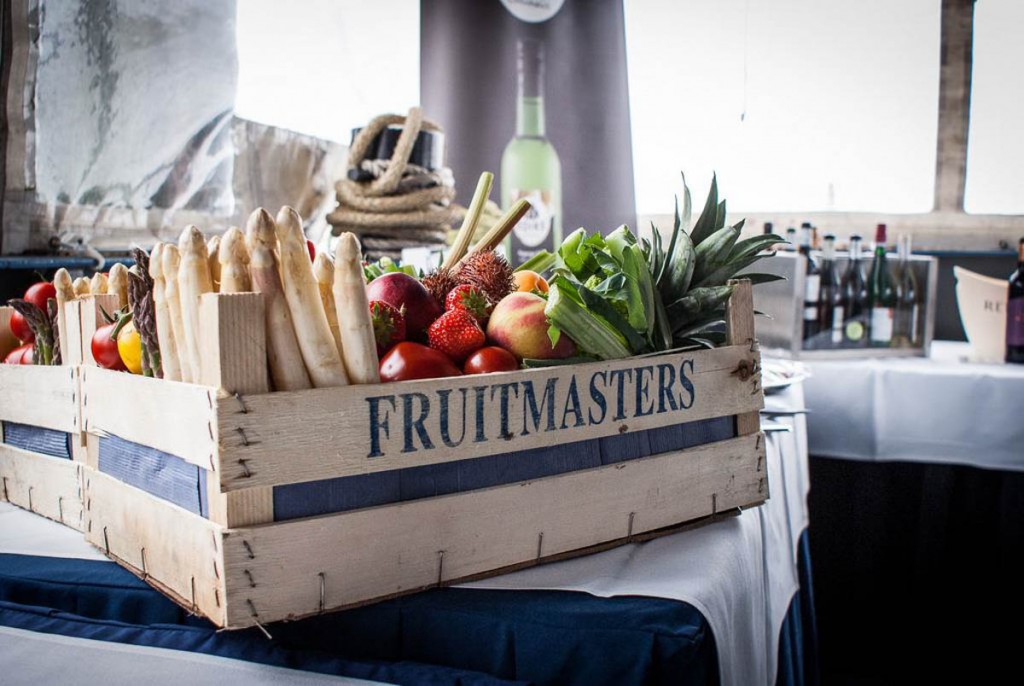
(444, 636)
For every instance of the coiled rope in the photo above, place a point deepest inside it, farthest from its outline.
(404, 205)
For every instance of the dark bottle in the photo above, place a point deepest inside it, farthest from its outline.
(830, 297)
(767, 228)
(905, 328)
(812, 286)
(1015, 311)
(855, 299)
(881, 295)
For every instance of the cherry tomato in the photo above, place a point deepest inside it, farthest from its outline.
(408, 361)
(104, 350)
(18, 354)
(20, 328)
(312, 250)
(490, 359)
(39, 293)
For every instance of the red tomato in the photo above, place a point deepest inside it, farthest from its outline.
(16, 355)
(104, 350)
(29, 356)
(490, 359)
(312, 249)
(20, 328)
(407, 361)
(39, 293)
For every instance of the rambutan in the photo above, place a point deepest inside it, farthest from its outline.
(488, 271)
(439, 283)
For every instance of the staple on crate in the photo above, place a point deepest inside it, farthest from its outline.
(6, 497)
(248, 575)
(540, 544)
(323, 590)
(714, 504)
(256, 619)
(440, 566)
(629, 533)
(30, 508)
(245, 469)
(106, 541)
(248, 549)
(60, 507)
(241, 403)
(241, 432)
(145, 574)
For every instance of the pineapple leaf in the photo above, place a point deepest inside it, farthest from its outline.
(705, 225)
(720, 215)
(753, 245)
(759, 278)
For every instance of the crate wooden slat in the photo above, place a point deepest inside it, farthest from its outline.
(49, 486)
(42, 400)
(238, 566)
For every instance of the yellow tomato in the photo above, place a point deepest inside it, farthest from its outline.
(129, 347)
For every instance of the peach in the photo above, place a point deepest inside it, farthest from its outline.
(518, 325)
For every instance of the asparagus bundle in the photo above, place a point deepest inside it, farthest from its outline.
(99, 284)
(193, 280)
(357, 341)
(170, 260)
(45, 349)
(233, 259)
(117, 283)
(82, 287)
(287, 370)
(143, 309)
(318, 347)
(169, 361)
(323, 269)
(213, 252)
(65, 292)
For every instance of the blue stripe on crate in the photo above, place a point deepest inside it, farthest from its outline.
(158, 473)
(37, 439)
(311, 498)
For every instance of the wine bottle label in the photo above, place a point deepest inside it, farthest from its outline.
(912, 333)
(881, 324)
(535, 231)
(837, 325)
(812, 286)
(1015, 322)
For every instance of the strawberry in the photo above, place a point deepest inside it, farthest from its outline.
(388, 325)
(471, 299)
(456, 333)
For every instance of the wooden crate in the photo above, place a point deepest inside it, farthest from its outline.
(330, 498)
(39, 435)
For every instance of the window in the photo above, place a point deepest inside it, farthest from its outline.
(799, 105)
(323, 67)
(995, 144)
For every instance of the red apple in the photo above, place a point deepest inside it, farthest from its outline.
(403, 291)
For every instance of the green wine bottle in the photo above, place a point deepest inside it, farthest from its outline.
(530, 167)
(881, 295)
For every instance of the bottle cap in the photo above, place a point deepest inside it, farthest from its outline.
(830, 237)
(805, 225)
(880, 234)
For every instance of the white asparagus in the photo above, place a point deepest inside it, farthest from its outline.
(233, 258)
(170, 261)
(287, 370)
(323, 270)
(164, 328)
(358, 343)
(213, 256)
(99, 284)
(193, 280)
(318, 347)
(65, 292)
(83, 286)
(117, 283)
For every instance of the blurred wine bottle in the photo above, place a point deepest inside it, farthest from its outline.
(812, 287)
(855, 299)
(1015, 311)
(905, 328)
(830, 296)
(881, 295)
(790, 239)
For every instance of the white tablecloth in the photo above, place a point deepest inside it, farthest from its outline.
(939, 409)
(29, 658)
(740, 572)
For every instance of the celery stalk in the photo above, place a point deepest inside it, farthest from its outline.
(590, 333)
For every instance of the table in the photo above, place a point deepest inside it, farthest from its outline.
(718, 603)
(917, 511)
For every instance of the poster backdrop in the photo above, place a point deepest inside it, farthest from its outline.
(535, 91)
